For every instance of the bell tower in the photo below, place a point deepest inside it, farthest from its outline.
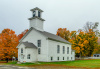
(36, 20)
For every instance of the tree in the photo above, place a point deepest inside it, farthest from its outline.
(84, 43)
(8, 43)
(22, 34)
(92, 26)
(73, 35)
(92, 41)
(64, 33)
(99, 40)
(77, 43)
(97, 49)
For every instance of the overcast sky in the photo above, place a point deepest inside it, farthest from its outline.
(70, 14)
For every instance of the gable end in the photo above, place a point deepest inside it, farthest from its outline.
(26, 34)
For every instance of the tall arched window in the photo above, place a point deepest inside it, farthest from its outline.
(21, 50)
(67, 50)
(63, 49)
(39, 51)
(58, 49)
(28, 56)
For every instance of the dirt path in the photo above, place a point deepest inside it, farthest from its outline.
(55, 67)
(41, 67)
(14, 67)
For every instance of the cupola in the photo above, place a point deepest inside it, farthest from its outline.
(36, 20)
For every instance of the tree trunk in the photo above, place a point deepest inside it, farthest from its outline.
(80, 55)
(7, 60)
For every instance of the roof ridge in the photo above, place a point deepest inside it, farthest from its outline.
(51, 33)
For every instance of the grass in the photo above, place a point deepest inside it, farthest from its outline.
(26, 64)
(77, 63)
(13, 63)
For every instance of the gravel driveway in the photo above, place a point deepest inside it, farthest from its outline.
(36, 67)
(14, 67)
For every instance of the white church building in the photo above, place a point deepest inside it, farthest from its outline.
(39, 45)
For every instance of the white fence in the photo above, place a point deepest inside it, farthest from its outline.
(94, 57)
(87, 58)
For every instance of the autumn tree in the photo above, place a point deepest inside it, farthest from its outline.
(77, 43)
(92, 41)
(64, 33)
(84, 43)
(8, 43)
(99, 40)
(22, 34)
(92, 26)
(72, 36)
(96, 49)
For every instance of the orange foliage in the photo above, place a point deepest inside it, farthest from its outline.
(64, 33)
(84, 43)
(22, 34)
(8, 43)
(87, 43)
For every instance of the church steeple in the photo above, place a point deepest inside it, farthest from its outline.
(36, 20)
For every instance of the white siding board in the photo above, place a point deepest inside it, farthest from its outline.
(53, 51)
(19, 52)
(33, 54)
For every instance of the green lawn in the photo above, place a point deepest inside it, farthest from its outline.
(76, 63)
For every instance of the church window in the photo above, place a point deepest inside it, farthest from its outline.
(33, 13)
(57, 58)
(21, 50)
(39, 51)
(39, 43)
(39, 14)
(51, 58)
(67, 50)
(58, 49)
(63, 49)
(63, 58)
(28, 56)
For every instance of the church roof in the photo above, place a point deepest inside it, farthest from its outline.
(29, 45)
(36, 9)
(54, 37)
(49, 35)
